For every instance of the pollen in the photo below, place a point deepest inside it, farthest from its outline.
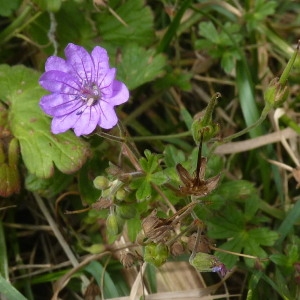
(90, 94)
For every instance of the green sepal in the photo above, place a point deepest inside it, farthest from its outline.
(204, 126)
(112, 224)
(278, 91)
(204, 262)
(156, 254)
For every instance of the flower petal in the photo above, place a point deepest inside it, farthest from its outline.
(57, 64)
(83, 123)
(59, 105)
(100, 59)
(56, 81)
(105, 83)
(120, 93)
(84, 90)
(88, 121)
(80, 62)
(62, 124)
(108, 117)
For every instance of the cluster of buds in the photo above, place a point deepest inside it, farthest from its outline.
(204, 128)
(161, 241)
(113, 197)
(160, 236)
(170, 236)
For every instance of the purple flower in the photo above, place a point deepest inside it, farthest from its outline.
(84, 91)
(220, 268)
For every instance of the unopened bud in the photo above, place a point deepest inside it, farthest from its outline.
(112, 224)
(277, 92)
(101, 183)
(204, 126)
(204, 262)
(120, 194)
(95, 249)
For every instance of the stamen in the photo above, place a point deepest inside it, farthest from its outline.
(90, 102)
(90, 94)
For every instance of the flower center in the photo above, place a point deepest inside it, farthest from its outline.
(90, 94)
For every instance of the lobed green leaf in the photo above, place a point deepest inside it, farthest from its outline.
(41, 150)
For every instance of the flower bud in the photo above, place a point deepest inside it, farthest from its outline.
(205, 126)
(112, 224)
(277, 92)
(204, 262)
(101, 183)
(95, 249)
(121, 194)
(156, 254)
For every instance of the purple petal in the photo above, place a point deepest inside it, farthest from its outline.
(100, 59)
(56, 81)
(83, 123)
(59, 105)
(73, 102)
(120, 93)
(88, 121)
(80, 61)
(105, 83)
(55, 63)
(108, 117)
(62, 124)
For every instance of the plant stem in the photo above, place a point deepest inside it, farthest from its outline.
(161, 137)
(262, 117)
(17, 25)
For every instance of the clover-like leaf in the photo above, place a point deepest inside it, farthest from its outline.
(134, 24)
(173, 156)
(149, 163)
(138, 65)
(232, 226)
(152, 174)
(143, 189)
(40, 149)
